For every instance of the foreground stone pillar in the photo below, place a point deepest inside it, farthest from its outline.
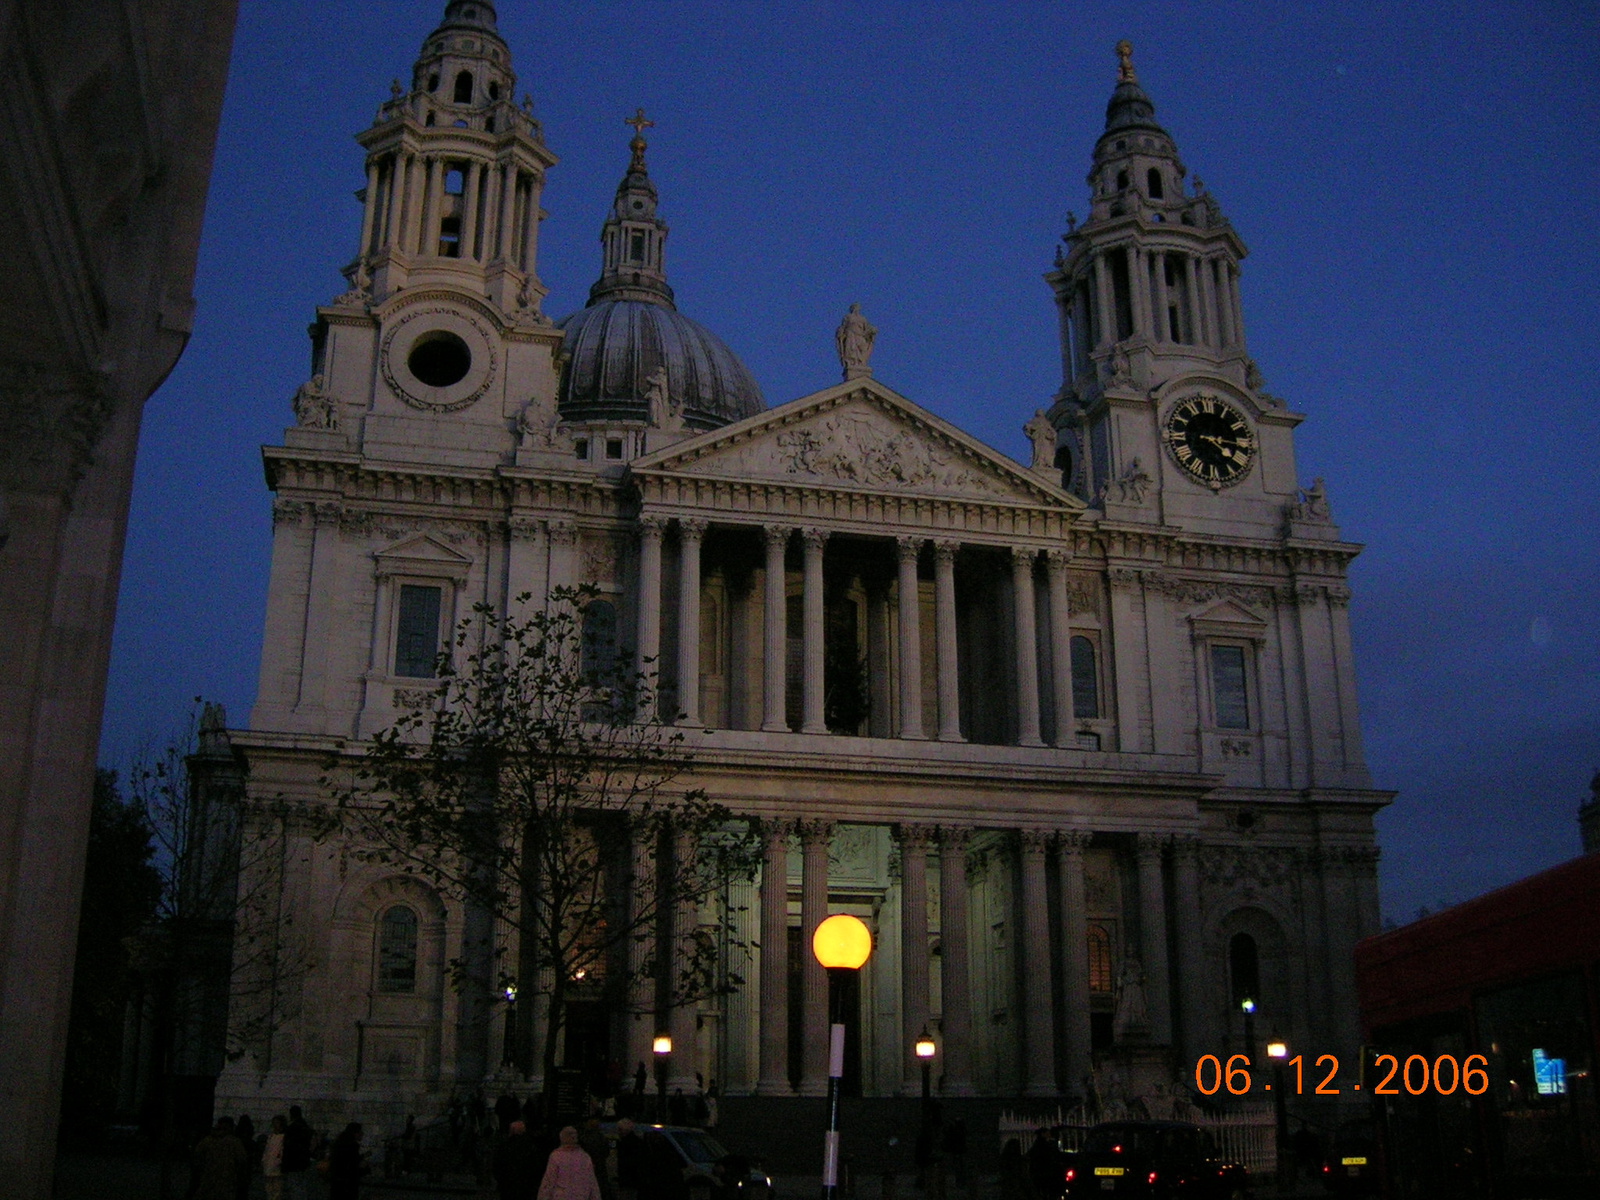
(1027, 637)
(1060, 644)
(914, 840)
(956, 1021)
(910, 639)
(815, 837)
(690, 534)
(1153, 937)
(774, 1078)
(1186, 927)
(813, 719)
(944, 601)
(775, 627)
(1039, 1071)
(681, 1018)
(1075, 962)
(648, 641)
(642, 967)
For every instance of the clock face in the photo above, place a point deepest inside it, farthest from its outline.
(1210, 440)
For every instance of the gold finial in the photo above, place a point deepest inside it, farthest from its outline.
(640, 124)
(1125, 62)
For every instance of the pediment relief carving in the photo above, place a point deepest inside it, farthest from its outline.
(425, 554)
(864, 442)
(1229, 619)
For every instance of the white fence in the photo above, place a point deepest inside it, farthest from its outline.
(1244, 1134)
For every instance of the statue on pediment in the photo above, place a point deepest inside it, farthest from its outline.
(854, 339)
(313, 407)
(664, 414)
(1042, 433)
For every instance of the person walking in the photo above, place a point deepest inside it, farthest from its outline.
(630, 1159)
(296, 1156)
(272, 1159)
(569, 1175)
(596, 1145)
(516, 1164)
(219, 1162)
(345, 1166)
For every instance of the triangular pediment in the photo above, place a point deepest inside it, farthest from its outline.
(422, 554)
(859, 436)
(1229, 618)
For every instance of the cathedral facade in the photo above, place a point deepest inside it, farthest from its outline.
(1061, 732)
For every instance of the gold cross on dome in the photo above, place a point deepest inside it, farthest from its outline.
(639, 122)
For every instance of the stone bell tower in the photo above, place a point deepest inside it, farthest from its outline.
(1147, 293)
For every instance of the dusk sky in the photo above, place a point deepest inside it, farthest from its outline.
(1417, 184)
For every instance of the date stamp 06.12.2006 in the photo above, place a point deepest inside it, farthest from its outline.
(1386, 1075)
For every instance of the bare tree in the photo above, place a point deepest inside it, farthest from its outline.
(544, 792)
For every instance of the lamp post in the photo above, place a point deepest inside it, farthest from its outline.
(508, 1054)
(925, 1052)
(1277, 1051)
(1248, 1007)
(842, 944)
(662, 1046)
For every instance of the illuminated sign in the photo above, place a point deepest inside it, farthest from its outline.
(1549, 1074)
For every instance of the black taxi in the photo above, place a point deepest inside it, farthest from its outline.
(1153, 1158)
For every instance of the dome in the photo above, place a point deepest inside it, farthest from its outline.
(615, 345)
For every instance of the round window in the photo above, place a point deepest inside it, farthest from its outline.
(439, 359)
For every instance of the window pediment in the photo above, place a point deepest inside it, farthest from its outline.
(422, 555)
(1228, 619)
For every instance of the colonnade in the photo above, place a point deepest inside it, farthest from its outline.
(405, 207)
(914, 723)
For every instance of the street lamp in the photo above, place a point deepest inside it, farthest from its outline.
(1248, 1007)
(662, 1046)
(1277, 1051)
(508, 1055)
(925, 1052)
(842, 944)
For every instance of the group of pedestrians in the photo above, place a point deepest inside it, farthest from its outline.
(581, 1164)
(288, 1155)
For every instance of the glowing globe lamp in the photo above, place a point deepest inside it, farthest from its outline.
(842, 942)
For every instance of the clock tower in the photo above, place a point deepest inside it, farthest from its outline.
(1162, 415)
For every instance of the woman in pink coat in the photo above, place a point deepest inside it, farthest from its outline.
(570, 1172)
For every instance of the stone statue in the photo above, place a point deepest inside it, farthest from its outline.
(1311, 504)
(1043, 436)
(360, 280)
(1121, 368)
(1133, 482)
(533, 426)
(854, 339)
(1132, 1019)
(664, 414)
(313, 407)
(1253, 379)
(1072, 221)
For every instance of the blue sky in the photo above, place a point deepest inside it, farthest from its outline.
(1417, 184)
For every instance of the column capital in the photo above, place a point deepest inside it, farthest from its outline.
(1150, 845)
(777, 535)
(563, 532)
(915, 837)
(524, 529)
(776, 829)
(1185, 845)
(652, 525)
(953, 838)
(909, 546)
(944, 551)
(1023, 556)
(692, 529)
(1057, 560)
(813, 536)
(1034, 841)
(1074, 841)
(813, 831)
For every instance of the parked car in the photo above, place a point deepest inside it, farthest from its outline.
(1351, 1166)
(711, 1172)
(1153, 1159)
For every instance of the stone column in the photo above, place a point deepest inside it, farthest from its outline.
(1106, 291)
(814, 839)
(1217, 268)
(681, 1018)
(914, 840)
(642, 968)
(956, 1019)
(1075, 961)
(469, 215)
(1027, 637)
(944, 602)
(1208, 302)
(563, 553)
(775, 626)
(369, 210)
(394, 213)
(1160, 329)
(1236, 306)
(691, 531)
(506, 234)
(814, 720)
(432, 208)
(1153, 937)
(1056, 562)
(491, 206)
(1186, 912)
(774, 1079)
(1039, 1073)
(1196, 320)
(648, 652)
(1080, 326)
(910, 639)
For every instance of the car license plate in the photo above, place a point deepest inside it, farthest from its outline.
(1110, 1171)
(1108, 1185)
(1357, 1161)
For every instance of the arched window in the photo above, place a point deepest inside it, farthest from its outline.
(1153, 182)
(599, 652)
(1244, 969)
(433, 82)
(1122, 180)
(1099, 959)
(464, 88)
(1085, 679)
(455, 181)
(494, 91)
(397, 950)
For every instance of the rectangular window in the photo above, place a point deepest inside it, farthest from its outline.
(613, 447)
(580, 448)
(636, 248)
(1228, 699)
(416, 642)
